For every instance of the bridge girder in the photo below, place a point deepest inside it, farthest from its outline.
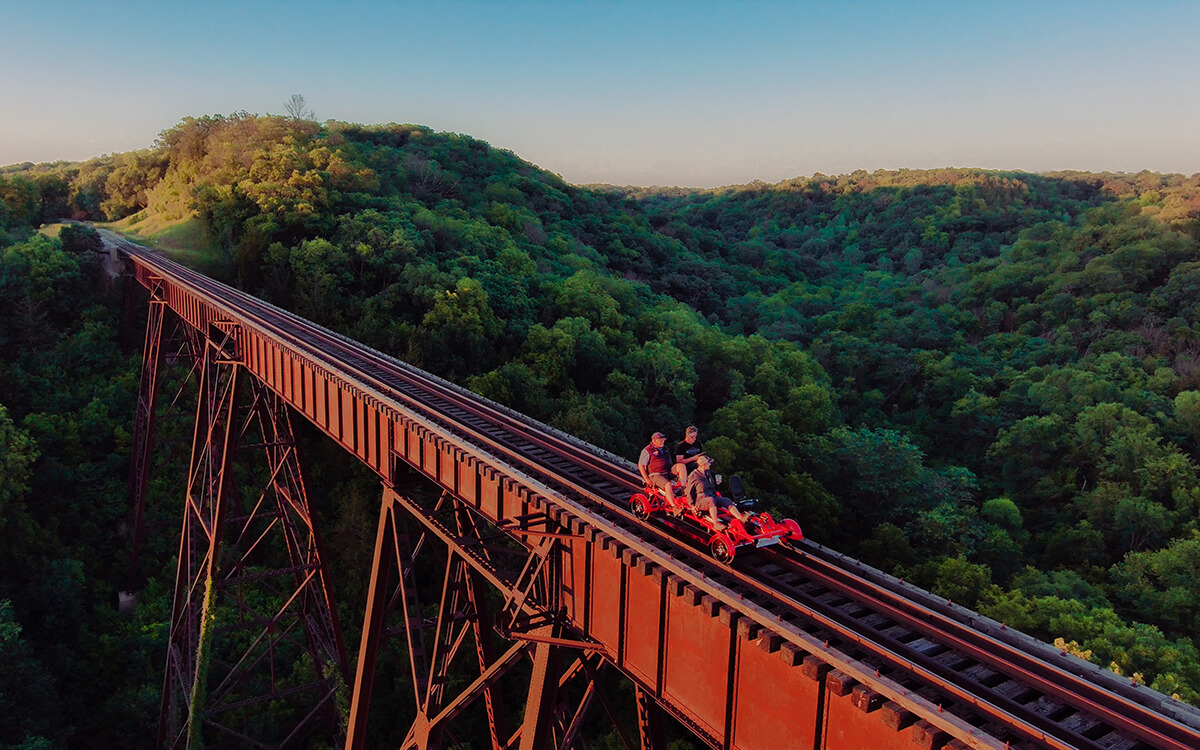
(485, 598)
(730, 669)
(252, 592)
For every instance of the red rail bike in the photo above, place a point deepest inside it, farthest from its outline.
(761, 530)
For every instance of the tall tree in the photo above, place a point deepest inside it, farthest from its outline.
(298, 109)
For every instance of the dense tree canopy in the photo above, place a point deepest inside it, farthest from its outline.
(986, 382)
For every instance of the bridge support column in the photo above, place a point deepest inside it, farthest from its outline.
(143, 431)
(651, 721)
(485, 654)
(188, 658)
(462, 605)
(479, 561)
(543, 694)
(252, 620)
(167, 342)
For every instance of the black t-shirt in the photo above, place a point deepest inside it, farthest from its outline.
(687, 450)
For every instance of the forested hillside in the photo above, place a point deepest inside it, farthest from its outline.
(72, 671)
(988, 383)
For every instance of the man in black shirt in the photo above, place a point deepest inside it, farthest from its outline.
(687, 450)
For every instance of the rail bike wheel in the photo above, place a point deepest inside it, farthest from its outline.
(637, 505)
(722, 549)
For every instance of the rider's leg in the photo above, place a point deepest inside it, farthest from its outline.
(662, 483)
(734, 511)
(707, 503)
(664, 486)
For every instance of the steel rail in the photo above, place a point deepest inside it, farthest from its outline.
(945, 633)
(631, 534)
(547, 439)
(1052, 680)
(1103, 704)
(325, 339)
(1016, 657)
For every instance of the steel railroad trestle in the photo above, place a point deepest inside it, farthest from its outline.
(553, 587)
(252, 593)
(689, 645)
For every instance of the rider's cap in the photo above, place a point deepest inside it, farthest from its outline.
(658, 435)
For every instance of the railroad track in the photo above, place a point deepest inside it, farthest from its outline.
(1001, 684)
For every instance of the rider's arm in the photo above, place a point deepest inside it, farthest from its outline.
(643, 464)
(681, 458)
(689, 490)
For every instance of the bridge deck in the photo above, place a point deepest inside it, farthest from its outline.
(739, 661)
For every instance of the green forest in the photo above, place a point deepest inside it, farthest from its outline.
(985, 382)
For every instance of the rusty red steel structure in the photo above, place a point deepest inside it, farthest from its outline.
(277, 601)
(536, 590)
(584, 588)
(143, 429)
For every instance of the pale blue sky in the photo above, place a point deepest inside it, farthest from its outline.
(642, 93)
